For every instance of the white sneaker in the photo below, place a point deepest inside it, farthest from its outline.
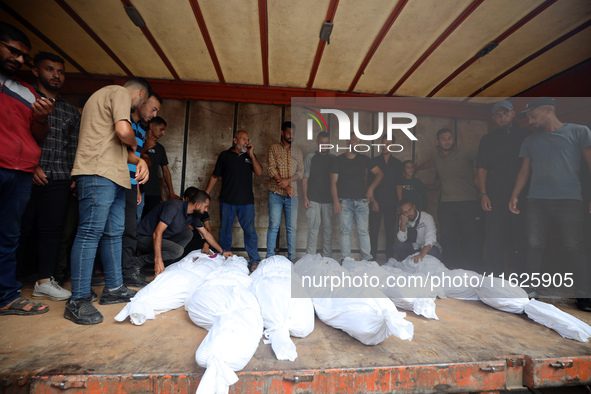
(50, 289)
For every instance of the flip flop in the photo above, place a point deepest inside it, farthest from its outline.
(252, 267)
(16, 308)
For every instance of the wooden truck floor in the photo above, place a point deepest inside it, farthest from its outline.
(472, 348)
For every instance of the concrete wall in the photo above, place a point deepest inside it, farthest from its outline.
(199, 130)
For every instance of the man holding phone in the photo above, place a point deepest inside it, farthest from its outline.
(235, 166)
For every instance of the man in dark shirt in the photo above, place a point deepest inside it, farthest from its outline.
(197, 242)
(151, 190)
(498, 163)
(235, 166)
(317, 198)
(351, 197)
(51, 182)
(387, 199)
(163, 234)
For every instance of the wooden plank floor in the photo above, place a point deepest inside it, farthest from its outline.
(467, 331)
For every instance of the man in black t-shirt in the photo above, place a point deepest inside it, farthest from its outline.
(235, 166)
(157, 153)
(351, 197)
(498, 163)
(164, 233)
(387, 199)
(317, 199)
(197, 242)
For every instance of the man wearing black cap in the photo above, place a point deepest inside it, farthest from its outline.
(552, 156)
(498, 163)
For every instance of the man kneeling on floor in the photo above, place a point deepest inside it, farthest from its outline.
(164, 233)
(417, 232)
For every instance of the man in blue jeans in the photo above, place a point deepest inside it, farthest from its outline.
(553, 157)
(235, 166)
(286, 166)
(351, 198)
(23, 126)
(106, 144)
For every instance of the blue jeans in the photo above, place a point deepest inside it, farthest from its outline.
(15, 191)
(245, 214)
(357, 210)
(101, 205)
(290, 207)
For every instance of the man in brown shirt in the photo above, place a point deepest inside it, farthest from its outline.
(285, 166)
(106, 144)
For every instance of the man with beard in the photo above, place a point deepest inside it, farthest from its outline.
(458, 211)
(417, 233)
(498, 163)
(106, 144)
(235, 166)
(23, 125)
(52, 183)
(317, 198)
(352, 197)
(133, 197)
(553, 157)
(152, 191)
(167, 229)
(286, 167)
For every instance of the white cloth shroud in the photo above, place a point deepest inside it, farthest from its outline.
(362, 312)
(282, 315)
(225, 307)
(170, 289)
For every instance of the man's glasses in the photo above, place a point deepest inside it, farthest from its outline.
(16, 52)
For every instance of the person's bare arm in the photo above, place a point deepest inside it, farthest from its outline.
(41, 110)
(305, 192)
(142, 172)
(213, 179)
(484, 200)
(334, 178)
(256, 166)
(399, 192)
(125, 134)
(520, 182)
(587, 156)
(205, 248)
(168, 180)
(425, 165)
(210, 240)
(157, 238)
(379, 175)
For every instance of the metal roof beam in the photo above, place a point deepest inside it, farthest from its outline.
(332, 9)
(207, 39)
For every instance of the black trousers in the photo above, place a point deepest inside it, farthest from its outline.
(505, 236)
(461, 229)
(388, 211)
(42, 225)
(129, 244)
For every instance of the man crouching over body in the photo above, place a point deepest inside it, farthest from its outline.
(164, 233)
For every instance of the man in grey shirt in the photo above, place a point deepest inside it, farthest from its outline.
(553, 157)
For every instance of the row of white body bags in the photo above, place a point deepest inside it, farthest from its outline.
(282, 314)
(225, 307)
(362, 312)
(170, 289)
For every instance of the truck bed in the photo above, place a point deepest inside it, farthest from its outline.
(471, 348)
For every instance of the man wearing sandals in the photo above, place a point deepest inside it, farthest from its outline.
(23, 125)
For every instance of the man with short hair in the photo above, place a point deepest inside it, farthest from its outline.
(158, 159)
(23, 126)
(285, 166)
(106, 144)
(133, 197)
(498, 163)
(317, 198)
(164, 233)
(52, 183)
(235, 166)
(459, 212)
(352, 198)
(197, 242)
(417, 233)
(386, 196)
(552, 156)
